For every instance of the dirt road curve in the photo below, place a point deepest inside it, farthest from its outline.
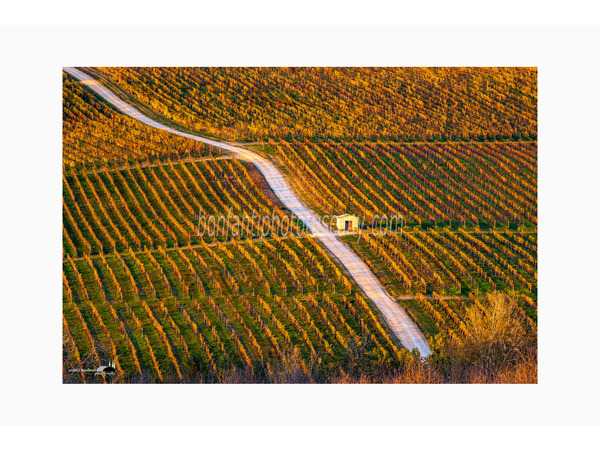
(397, 319)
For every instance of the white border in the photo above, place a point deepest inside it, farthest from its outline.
(305, 13)
(30, 333)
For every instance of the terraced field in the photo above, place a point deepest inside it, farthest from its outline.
(450, 151)
(462, 267)
(143, 289)
(468, 217)
(488, 185)
(185, 313)
(138, 207)
(339, 103)
(95, 133)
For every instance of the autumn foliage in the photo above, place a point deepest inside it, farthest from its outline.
(342, 103)
(451, 150)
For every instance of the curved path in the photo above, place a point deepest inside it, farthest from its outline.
(397, 319)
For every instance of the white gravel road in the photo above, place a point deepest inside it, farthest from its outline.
(397, 319)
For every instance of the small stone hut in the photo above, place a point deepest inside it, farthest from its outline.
(345, 222)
